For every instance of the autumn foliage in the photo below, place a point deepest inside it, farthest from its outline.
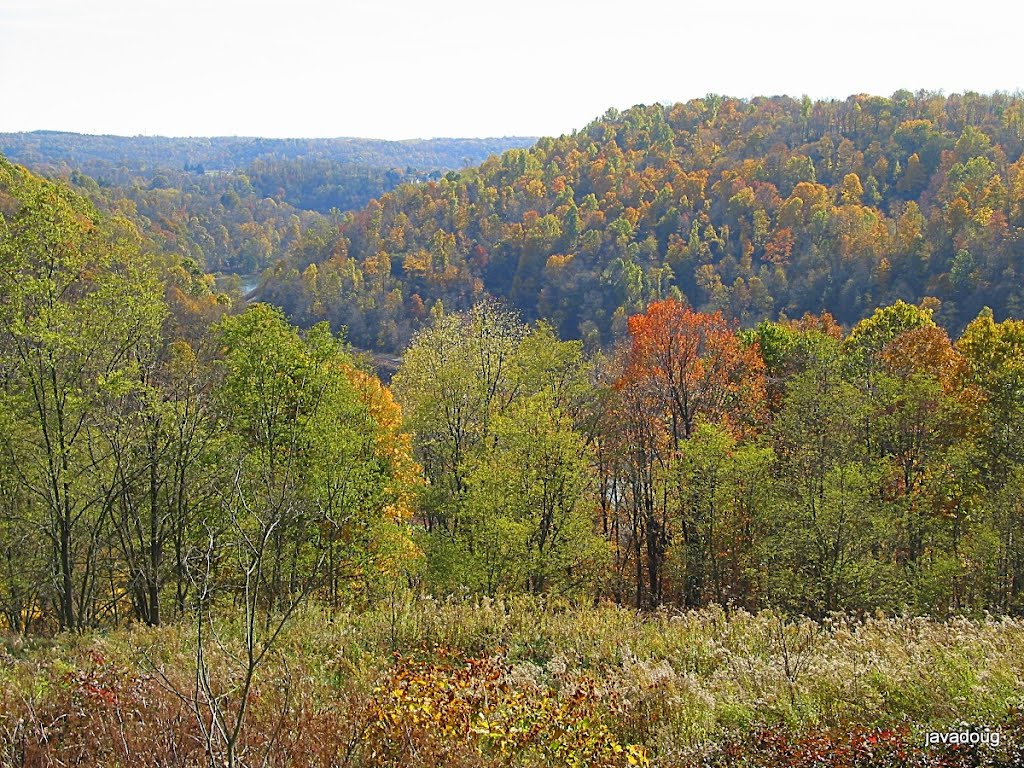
(695, 368)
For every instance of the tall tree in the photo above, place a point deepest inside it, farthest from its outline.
(681, 368)
(78, 302)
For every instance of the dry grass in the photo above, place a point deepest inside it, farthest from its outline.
(424, 682)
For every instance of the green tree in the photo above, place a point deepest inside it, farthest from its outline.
(723, 490)
(309, 477)
(456, 375)
(79, 306)
(820, 555)
(995, 367)
(496, 407)
(530, 503)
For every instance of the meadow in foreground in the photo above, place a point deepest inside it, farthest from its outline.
(524, 682)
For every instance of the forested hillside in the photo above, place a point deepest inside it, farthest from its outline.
(750, 208)
(236, 204)
(791, 465)
(698, 460)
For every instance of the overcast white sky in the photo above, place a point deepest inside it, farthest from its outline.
(420, 68)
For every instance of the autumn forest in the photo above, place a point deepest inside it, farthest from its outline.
(690, 438)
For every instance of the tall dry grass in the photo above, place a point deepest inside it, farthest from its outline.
(523, 682)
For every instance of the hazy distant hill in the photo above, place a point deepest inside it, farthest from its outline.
(237, 204)
(229, 153)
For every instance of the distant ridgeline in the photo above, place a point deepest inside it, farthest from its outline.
(749, 207)
(231, 153)
(238, 204)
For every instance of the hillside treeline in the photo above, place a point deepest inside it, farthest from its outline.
(747, 207)
(791, 466)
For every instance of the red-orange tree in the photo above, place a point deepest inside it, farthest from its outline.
(696, 368)
(681, 368)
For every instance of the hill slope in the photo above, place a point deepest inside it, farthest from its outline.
(752, 207)
(236, 204)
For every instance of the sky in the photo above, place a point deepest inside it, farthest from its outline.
(397, 69)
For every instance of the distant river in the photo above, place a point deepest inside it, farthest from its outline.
(249, 283)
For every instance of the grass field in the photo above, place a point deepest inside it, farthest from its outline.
(418, 682)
